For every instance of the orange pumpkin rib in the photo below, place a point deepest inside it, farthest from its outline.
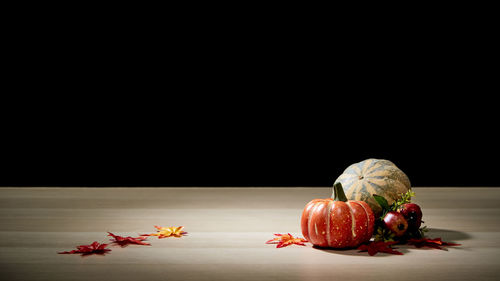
(329, 237)
(370, 220)
(317, 224)
(359, 224)
(305, 219)
(341, 221)
(303, 222)
(367, 233)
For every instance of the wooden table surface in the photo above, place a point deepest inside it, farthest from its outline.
(227, 229)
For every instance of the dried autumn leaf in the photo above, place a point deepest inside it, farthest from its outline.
(284, 240)
(94, 248)
(373, 248)
(435, 243)
(163, 232)
(123, 241)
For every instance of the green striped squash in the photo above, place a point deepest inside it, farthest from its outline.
(374, 176)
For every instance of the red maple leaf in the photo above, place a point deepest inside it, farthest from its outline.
(379, 247)
(435, 243)
(124, 241)
(284, 240)
(94, 248)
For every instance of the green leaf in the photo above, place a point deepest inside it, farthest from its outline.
(403, 199)
(422, 231)
(382, 202)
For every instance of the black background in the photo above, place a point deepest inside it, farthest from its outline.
(269, 142)
(215, 103)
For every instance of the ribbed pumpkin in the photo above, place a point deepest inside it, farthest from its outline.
(337, 222)
(374, 176)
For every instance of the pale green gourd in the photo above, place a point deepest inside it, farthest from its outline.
(374, 176)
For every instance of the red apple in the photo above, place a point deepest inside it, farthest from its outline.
(396, 223)
(412, 214)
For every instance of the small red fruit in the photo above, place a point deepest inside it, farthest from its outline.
(396, 223)
(412, 214)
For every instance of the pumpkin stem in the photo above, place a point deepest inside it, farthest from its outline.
(338, 193)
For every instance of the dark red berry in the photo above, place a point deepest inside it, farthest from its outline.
(413, 215)
(396, 223)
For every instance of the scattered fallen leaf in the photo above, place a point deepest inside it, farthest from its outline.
(379, 247)
(94, 248)
(163, 232)
(123, 241)
(284, 240)
(435, 243)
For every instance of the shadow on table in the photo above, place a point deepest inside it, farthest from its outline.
(446, 234)
(356, 252)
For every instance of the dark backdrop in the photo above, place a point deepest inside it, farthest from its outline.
(213, 103)
(279, 141)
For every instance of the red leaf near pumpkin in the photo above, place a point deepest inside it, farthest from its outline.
(94, 248)
(284, 240)
(379, 247)
(435, 243)
(124, 241)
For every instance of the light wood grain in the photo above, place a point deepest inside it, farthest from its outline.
(227, 230)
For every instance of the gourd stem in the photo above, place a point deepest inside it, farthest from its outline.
(338, 193)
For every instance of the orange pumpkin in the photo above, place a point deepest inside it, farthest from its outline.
(337, 222)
